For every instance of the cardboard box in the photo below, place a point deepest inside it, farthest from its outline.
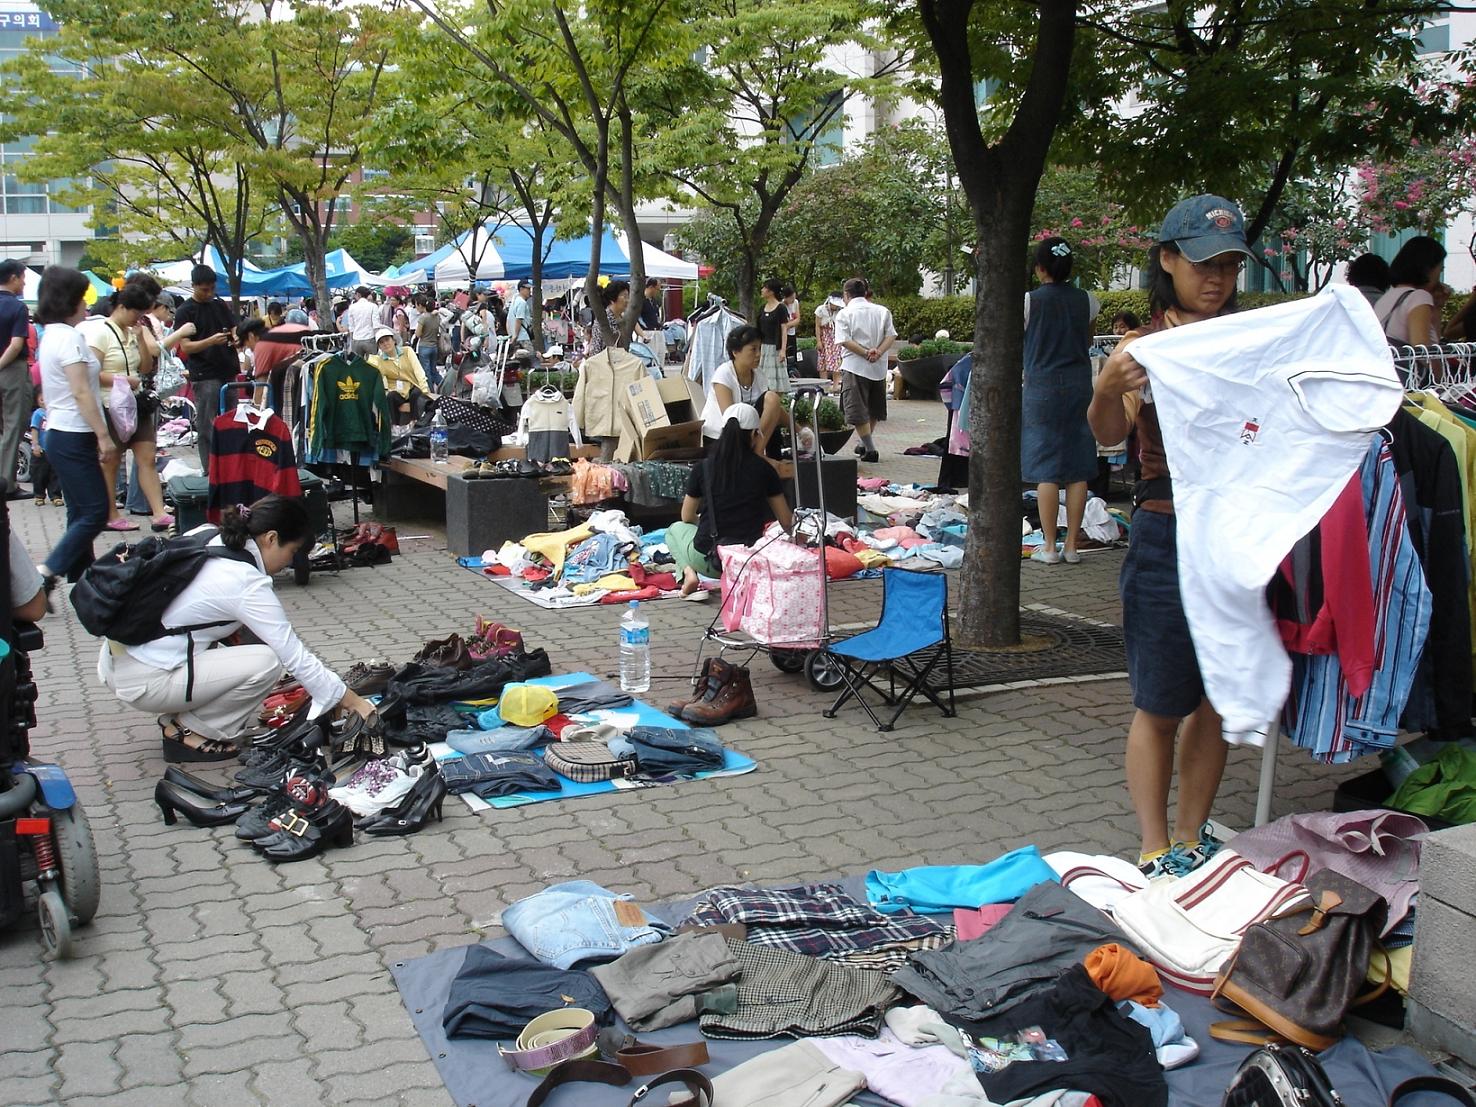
(657, 415)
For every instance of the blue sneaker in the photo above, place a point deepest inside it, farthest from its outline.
(1202, 850)
(1174, 863)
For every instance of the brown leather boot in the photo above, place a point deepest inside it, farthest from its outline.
(699, 690)
(734, 700)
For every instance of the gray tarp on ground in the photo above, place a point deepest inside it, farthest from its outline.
(475, 1075)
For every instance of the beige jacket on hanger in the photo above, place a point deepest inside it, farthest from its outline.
(602, 380)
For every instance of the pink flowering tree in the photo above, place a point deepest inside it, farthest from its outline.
(1105, 240)
(1321, 224)
(1425, 189)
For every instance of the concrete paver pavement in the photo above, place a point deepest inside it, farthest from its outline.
(212, 978)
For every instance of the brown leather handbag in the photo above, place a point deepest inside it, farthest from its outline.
(1297, 974)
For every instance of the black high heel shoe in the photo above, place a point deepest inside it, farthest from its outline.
(191, 783)
(268, 745)
(174, 800)
(303, 834)
(423, 800)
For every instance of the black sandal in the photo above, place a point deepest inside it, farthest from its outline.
(177, 751)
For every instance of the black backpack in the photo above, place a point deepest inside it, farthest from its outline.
(124, 593)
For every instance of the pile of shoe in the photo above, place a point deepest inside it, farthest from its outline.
(499, 470)
(305, 810)
(287, 703)
(369, 544)
(722, 692)
(382, 783)
(299, 820)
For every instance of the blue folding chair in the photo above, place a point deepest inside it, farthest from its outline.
(910, 641)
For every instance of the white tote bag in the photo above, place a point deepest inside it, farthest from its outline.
(1190, 927)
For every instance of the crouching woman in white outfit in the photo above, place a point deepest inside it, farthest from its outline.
(205, 702)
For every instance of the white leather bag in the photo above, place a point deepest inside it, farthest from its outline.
(1191, 926)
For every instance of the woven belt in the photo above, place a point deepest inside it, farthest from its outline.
(699, 1088)
(551, 1038)
(644, 1058)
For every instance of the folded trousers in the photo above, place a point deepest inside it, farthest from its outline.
(658, 986)
(798, 1075)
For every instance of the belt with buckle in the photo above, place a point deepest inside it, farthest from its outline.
(699, 1089)
(644, 1058)
(551, 1038)
(586, 1071)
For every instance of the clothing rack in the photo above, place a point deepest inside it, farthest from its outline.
(1431, 366)
(336, 342)
(1421, 367)
(325, 342)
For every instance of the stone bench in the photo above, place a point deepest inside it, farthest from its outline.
(1442, 1001)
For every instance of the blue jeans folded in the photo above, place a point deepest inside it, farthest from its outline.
(498, 774)
(578, 921)
(504, 739)
(661, 750)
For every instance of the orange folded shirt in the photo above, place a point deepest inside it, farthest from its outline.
(1122, 974)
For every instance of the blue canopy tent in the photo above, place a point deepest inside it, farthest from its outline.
(570, 258)
(343, 271)
(254, 281)
(506, 253)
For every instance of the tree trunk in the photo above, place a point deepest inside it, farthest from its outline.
(747, 279)
(537, 278)
(313, 234)
(1000, 181)
(601, 177)
(989, 607)
(626, 204)
(316, 267)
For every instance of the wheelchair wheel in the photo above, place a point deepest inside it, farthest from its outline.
(76, 856)
(822, 671)
(56, 926)
(788, 661)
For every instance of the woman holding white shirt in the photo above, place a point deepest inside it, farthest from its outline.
(77, 438)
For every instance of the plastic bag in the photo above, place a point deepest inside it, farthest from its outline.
(123, 409)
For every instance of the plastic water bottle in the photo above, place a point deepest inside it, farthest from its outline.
(438, 447)
(635, 650)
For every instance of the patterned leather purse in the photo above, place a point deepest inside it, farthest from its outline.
(1297, 974)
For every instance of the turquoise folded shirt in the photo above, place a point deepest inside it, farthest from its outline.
(935, 889)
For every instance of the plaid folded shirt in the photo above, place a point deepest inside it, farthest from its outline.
(820, 920)
(782, 994)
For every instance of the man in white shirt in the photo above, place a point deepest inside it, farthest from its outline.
(360, 320)
(520, 318)
(864, 331)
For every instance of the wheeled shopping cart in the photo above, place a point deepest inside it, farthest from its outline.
(778, 580)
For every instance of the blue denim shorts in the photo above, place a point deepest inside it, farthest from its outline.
(1162, 666)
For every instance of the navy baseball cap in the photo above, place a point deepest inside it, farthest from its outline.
(1203, 227)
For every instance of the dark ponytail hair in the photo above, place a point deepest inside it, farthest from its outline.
(1053, 255)
(1161, 294)
(725, 463)
(286, 515)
